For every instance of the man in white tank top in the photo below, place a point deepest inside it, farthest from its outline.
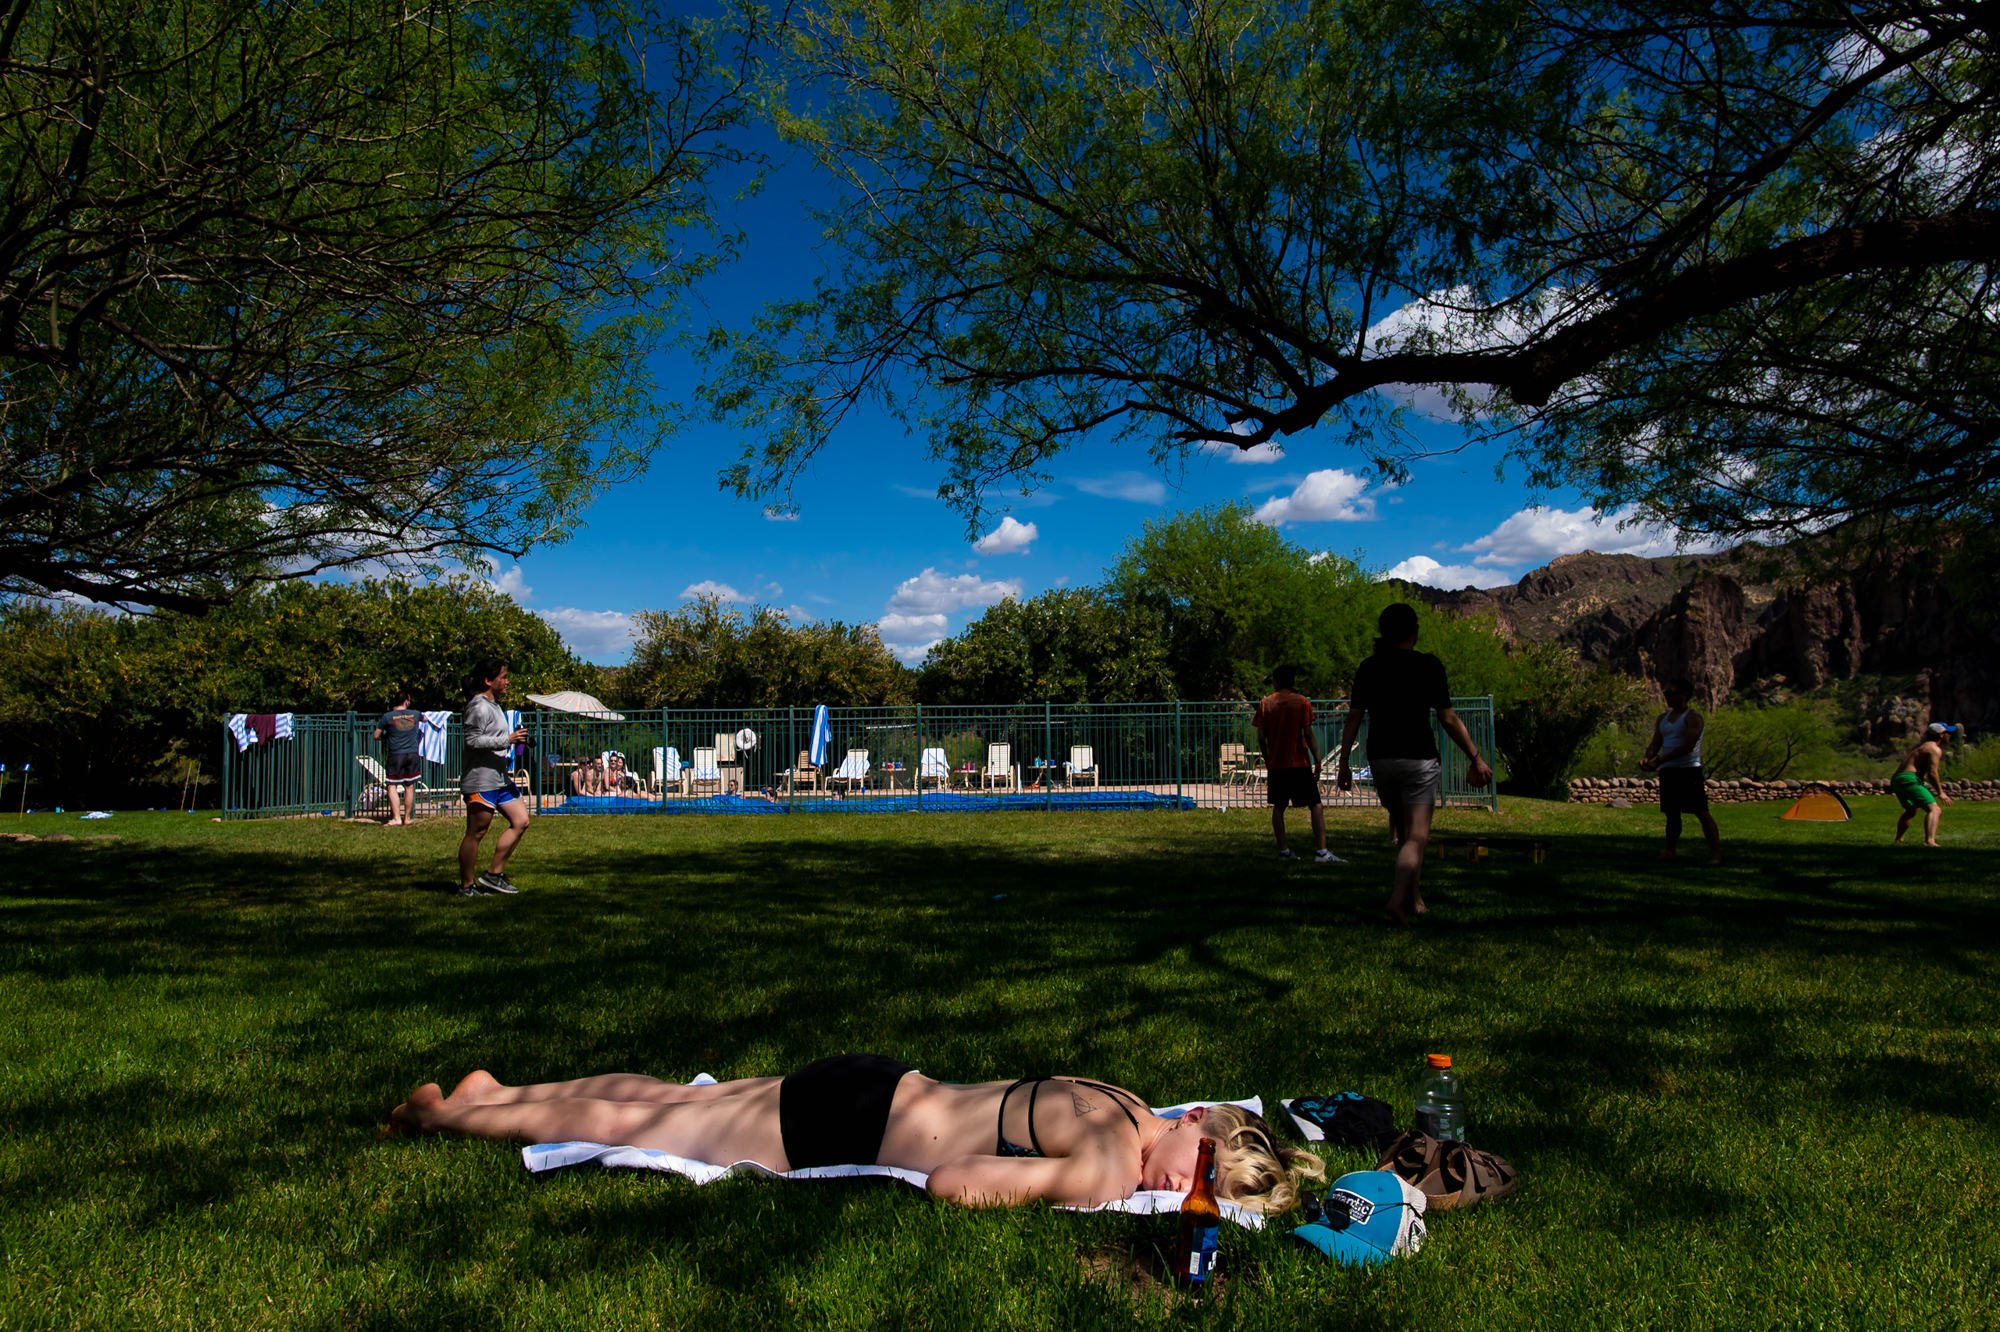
(1675, 752)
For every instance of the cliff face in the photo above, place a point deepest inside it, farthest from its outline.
(1733, 622)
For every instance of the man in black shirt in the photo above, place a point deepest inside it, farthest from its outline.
(1397, 689)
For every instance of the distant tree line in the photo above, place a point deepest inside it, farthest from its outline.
(118, 710)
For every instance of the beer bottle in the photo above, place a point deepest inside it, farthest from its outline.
(1201, 1225)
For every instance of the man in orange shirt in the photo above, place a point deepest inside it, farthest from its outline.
(1291, 758)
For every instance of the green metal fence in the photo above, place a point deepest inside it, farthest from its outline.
(876, 760)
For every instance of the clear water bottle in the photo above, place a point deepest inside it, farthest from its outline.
(1440, 1100)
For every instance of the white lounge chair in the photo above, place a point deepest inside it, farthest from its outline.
(667, 769)
(1000, 768)
(853, 770)
(932, 766)
(705, 772)
(1082, 764)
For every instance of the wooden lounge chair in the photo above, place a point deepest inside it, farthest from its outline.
(1233, 767)
(802, 773)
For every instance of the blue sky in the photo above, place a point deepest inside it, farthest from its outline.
(871, 543)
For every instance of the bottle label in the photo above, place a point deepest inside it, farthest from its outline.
(1202, 1253)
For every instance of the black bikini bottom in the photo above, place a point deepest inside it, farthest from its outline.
(835, 1110)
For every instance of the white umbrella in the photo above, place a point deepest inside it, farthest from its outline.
(575, 700)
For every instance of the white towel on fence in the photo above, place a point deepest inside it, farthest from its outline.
(556, 1155)
(239, 726)
(283, 729)
(430, 736)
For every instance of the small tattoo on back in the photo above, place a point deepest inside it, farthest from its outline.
(1084, 1105)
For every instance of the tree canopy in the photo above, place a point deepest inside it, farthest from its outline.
(292, 286)
(1732, 264)
(1079, 645)
(702, 656)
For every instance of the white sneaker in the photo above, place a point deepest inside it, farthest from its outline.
(1288, 854)
(1326, 857)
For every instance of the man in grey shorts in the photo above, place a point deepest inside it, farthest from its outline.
(1396, 689)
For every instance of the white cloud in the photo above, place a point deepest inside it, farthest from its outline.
(1012, 537)
(916, 618)
(1327, 496)
(1448, 577)
(708, 587)
(1269, 451)
(903, 628)
(1537, 535)
(1457, 319)
(933, 593)
(513, 583)
(1139, 487)
(594, 635)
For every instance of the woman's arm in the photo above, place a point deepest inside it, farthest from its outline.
(1009, 1181)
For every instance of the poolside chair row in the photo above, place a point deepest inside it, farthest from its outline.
(934, 770)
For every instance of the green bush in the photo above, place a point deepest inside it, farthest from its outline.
(1548, 708)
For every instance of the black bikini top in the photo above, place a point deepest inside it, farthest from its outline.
(1118, 1095)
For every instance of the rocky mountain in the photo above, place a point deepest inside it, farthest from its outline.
(1915, 622)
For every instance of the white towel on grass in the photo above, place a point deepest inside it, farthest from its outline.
(556, 1155)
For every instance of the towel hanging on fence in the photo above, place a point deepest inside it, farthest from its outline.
(239, 726)
(430, 742)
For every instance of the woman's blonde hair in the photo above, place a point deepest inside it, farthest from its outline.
(1252, 1168)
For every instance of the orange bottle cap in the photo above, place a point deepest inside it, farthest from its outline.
(1438, 1061)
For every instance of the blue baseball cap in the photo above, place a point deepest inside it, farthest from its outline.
(1369, 1217)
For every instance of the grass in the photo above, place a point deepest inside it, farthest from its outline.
(1760, 1095)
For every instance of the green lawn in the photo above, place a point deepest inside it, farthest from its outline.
(1761, 1095)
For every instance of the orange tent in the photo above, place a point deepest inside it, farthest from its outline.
(1820, 804)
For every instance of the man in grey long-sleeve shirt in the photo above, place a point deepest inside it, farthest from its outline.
(487, 785)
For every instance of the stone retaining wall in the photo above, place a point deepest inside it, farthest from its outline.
(1638, 790)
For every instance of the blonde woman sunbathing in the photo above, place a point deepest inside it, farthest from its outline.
(984, 1144)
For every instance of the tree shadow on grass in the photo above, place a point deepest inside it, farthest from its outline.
(975, 961)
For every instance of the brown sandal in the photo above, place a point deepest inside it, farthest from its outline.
(1471, 1177)
(1450, 1175)
(1415, 1158)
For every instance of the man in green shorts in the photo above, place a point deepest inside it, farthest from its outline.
(1919, 783)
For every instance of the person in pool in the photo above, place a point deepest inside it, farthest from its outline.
(983, 1144)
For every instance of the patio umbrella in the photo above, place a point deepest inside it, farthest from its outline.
(822, 737)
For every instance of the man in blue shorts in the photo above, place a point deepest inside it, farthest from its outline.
(487, 787)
